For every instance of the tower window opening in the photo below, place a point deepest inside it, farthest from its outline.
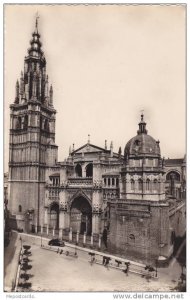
(89, 170)
(104, 181)
(155, 184)
(30, 85)
(20, 208)
(113, 181)
(78, 170)
(41, 122)
(173, 176)
(132, 239)
(132, 184)
(148, 184)
(137, 142)
(108, 181)
(117, 182)
(140, 184)
(25, 124)
(18, 123)
(46, 125)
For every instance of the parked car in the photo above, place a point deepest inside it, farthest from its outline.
(56, 242)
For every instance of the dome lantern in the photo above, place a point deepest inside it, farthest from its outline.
(142, 145)
(142, 126)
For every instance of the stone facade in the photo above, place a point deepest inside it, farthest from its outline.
(150, 211)
(80, 188)
(94, 187)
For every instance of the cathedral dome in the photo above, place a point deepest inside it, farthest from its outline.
(142, 144)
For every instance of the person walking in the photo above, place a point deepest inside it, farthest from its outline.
(104, 260)
(105, 236)
(127, 268)
(107, 261)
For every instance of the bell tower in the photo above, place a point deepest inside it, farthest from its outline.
(32, 146)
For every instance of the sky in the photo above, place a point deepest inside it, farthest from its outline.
(106, 63)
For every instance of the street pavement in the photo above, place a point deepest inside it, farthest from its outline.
(54, 272)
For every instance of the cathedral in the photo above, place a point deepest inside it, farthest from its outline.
(138, 196)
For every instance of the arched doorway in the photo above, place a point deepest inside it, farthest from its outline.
(54, 216)
(81, 215)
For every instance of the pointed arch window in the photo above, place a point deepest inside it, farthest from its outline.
(25, 124)
(148, 184)
(18, 123)
(140, 184)
(46, 125)
(78, 170)
(132, 184)
(155, 185)
(89, 170)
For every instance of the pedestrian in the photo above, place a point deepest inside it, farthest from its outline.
(58, 250)
(107, 261)
(92, 258)
(61, 252)
(127, 268)
(104, 260)
(118, 262)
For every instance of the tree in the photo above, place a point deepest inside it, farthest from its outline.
(26, 247)
(24, 276)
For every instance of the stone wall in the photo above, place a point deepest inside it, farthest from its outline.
(140, 232)
(177, 220)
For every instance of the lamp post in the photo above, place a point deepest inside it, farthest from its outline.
(21, 242)
(75, 250)
(156, 265)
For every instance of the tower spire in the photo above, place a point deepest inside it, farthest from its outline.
(17, 92)
(51, 96)
(37, 17)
